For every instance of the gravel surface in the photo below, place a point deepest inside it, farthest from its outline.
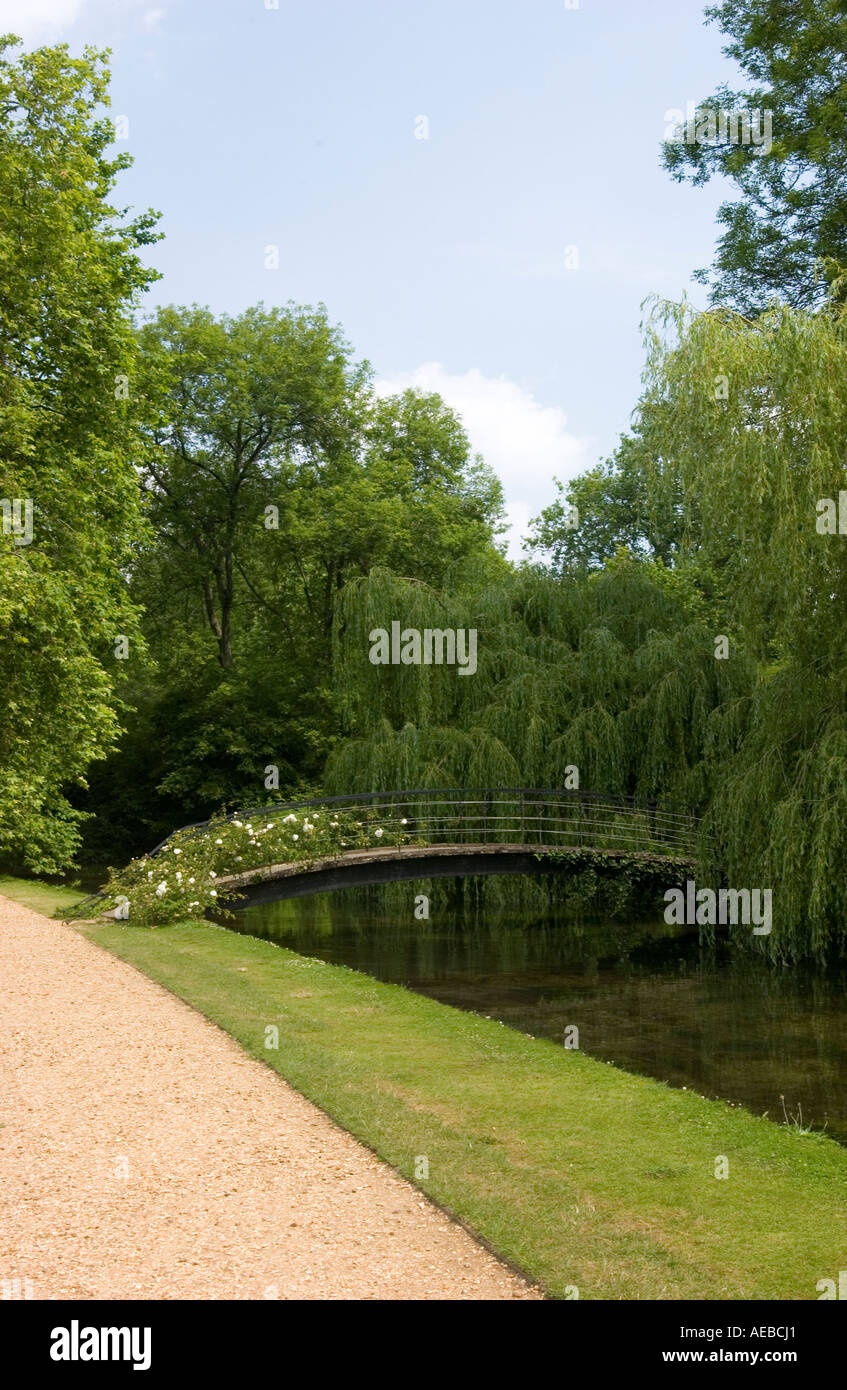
(144, 1155)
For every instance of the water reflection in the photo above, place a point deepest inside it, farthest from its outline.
(642, 995)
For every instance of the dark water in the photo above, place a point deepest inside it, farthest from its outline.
(643, 996)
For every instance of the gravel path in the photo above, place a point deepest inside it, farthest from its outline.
(144, 1155)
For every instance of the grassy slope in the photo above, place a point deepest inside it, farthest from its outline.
(49, 898)
(579, 1173)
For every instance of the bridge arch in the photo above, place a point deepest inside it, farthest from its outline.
(500, 830)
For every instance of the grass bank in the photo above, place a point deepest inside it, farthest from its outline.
(582, 1175)
(50, 898)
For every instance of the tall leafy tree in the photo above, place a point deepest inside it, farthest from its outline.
(273, 476)
(616, 503)
(69, 412)
(789, 223)
(764, 460)
(719, 681)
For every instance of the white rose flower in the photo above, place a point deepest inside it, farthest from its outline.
(296, 837)
(177, 851)
(213, 894)
(162, 889)
(378, 833)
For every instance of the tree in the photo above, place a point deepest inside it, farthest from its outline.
(273, 473)
(765, 463)
(69, 277)
(718, 681)
(245, 405)
(612, 672)
(790, 222)
(616, 503)
(273, 476)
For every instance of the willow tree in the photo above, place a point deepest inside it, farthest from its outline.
(613, 674)
(609, 676)
(721, 682)
(754, 417)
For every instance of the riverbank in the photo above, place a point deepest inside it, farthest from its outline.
(582, 1175)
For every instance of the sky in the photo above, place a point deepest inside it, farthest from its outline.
(473, 188)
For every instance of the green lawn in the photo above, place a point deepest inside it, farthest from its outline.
(50, 898)
(579, 1173)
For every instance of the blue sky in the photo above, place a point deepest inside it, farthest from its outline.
(444, 257)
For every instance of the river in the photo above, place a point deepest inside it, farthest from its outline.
(645, 996)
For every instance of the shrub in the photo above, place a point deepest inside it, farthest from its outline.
(183, 878)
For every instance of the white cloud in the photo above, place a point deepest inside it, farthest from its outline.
(48, 21)
(526, 443)
(38, 20)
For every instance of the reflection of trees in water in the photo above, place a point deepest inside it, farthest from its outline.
(644, 995)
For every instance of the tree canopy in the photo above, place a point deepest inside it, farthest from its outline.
(69, 278)
(273, 476)
(716, 679)
(786, 234)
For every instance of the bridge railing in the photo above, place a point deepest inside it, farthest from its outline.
(506, 815)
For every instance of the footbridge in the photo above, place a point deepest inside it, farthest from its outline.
(449, 833)
(391, 836)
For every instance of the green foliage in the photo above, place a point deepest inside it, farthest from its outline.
(69, 277)
(758, 462)
(615, 504)
(613, 673)
(616, 670)
(191, 873)
(273, 475)
(790, 221)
